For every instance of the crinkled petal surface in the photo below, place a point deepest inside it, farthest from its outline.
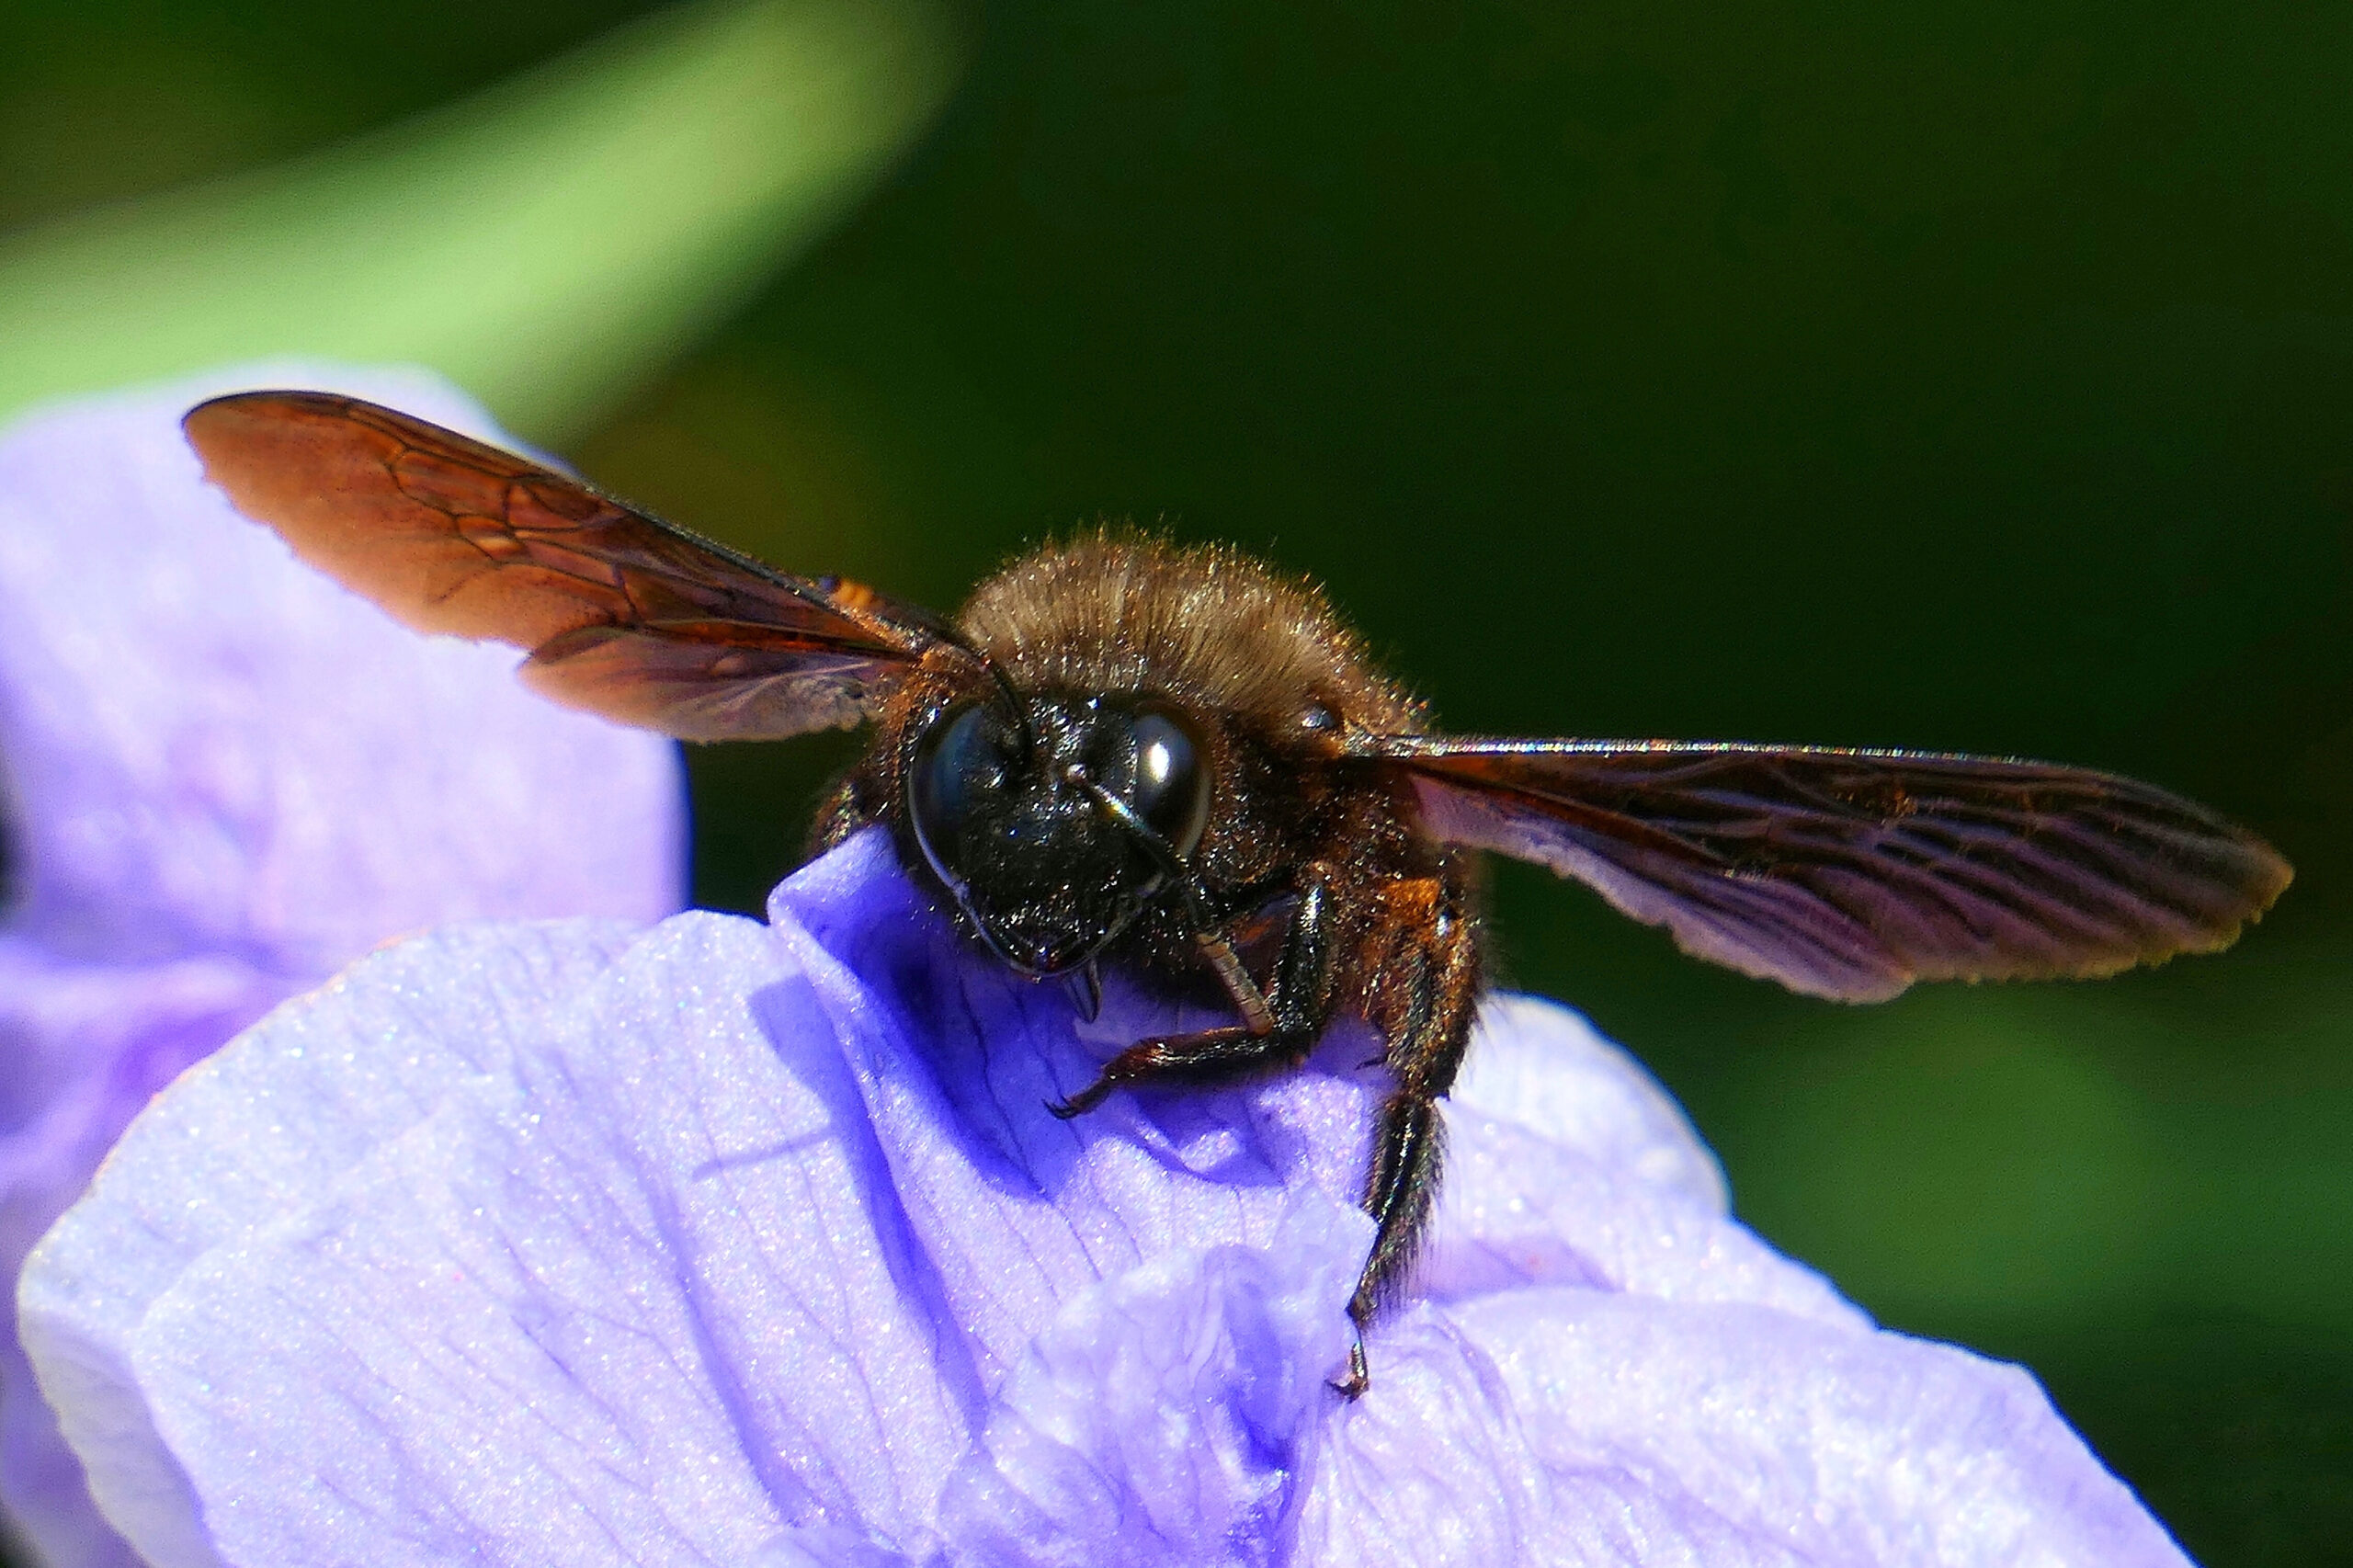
(222, 777)
(734, 1243)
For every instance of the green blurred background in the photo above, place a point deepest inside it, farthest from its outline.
(1974, 376)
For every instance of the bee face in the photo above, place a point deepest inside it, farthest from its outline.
(1055, 826)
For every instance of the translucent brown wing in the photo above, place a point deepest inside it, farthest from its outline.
(624, 614)
(1851, 874)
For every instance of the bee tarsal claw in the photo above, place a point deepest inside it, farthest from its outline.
(1351, 1385)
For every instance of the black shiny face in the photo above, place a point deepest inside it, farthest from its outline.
(1053, 846)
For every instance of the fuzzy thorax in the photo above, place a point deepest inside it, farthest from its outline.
(1203, 625)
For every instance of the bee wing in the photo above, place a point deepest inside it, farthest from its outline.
(1851, 874)
(624, 614)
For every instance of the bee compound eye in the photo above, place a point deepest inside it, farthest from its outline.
(1171, 789)
(957, 764)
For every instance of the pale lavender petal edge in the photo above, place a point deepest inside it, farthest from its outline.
(211, 748)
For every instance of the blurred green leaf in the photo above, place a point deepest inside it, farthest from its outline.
(1969, 1161)
(544, 243)
(1963, 1154)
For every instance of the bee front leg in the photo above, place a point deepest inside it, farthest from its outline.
(1278, 1026)
(1203, 1058)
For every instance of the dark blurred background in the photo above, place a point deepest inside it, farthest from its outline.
(1975, 376)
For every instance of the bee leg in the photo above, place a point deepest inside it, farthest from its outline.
(1423, 995)
(1202, 1057)
(1281, 1028)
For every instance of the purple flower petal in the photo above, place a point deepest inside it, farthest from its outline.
(1436, 1471)
(957, 1059)
(1167, 1414)
(824, 1546)
(211, 749)
(623, 1243)
(225, 778)
(531, 1243)
(1755, 1434)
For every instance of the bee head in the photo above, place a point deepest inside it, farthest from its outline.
(1055, 826)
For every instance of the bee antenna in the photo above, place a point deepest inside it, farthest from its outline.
(1005, 687)
(1157, 850)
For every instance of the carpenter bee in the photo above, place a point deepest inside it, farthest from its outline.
(1121, 750)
